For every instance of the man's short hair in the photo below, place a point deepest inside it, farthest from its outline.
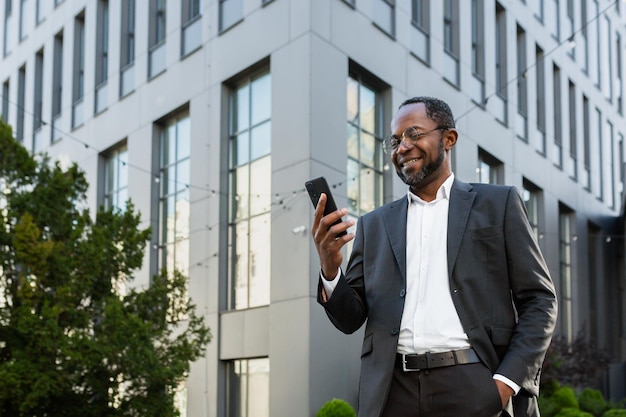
(436, 110)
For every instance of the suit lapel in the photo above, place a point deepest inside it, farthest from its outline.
(395, 222)
(461, 200)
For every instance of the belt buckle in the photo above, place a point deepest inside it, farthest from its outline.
(404, 368)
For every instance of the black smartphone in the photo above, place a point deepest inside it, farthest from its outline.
(315, 188)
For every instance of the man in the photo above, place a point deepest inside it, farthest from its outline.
(459, 303)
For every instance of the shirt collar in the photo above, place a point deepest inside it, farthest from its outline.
(442, 193)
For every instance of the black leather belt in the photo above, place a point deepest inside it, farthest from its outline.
(410, 363)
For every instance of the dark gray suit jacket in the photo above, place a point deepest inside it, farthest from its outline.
(499, 282)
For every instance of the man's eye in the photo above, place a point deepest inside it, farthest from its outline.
(413, 135)
(395, 142)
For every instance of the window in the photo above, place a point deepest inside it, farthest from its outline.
(558, 117)
(127, 48)
(598, 19)
(451, 41)
(500, 61)
(364, 144)
(102, 55)
(8, 27)
(570, 29)
(490, 170)
(584, 35)
(477, 87)
(554, 19)
(174, 206)
(622, 169)
(38, 107)
(250, 168)
(565, 271)
(605, 58)
(42, 9)
(521, 125)
(192, 26)
(25, 19)
(540, 70)
(572, 166)
(531, 194)
(231, 13)
(248, 388)
(156, 46)
(115, 177)
(599, 181)
(620, 75)
(586, 145)
(420, 18)
(5, 101)
(21, 100)
(78, 88)
(57, 86)
(609, 155)
(384, 16)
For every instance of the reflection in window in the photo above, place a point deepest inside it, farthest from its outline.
(192, 26)
(531, 195)
(565, 271)
(490, 170)
(420, 18)
(248, 388)
(174, 205)
(365, 173)
(116, 178)
(157, 37)
(250, 171)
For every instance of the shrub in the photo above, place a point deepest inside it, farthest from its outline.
(573, 412)
(562, 397)
(615, 413)
(592, 401)
(336, 408)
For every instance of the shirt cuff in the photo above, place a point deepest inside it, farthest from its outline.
(329, 286)
(516, 388)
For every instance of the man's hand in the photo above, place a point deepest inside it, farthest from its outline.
(328, 246)
(505, 391)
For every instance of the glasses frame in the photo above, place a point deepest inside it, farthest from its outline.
(390, 149)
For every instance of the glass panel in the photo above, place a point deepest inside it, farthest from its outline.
(243, 149)
(182, 175)
(181, 257)
(261, 141)
(353, 142)
(242, 108)
(353, 100)
(260, 186)
(368, 149)
(259, 387)
(261, 99)
(367, 106)
(240, 287)
(184, 138)
(368, 191)
(241, 193)
(231, 11)
(353, 186)
(259, 287)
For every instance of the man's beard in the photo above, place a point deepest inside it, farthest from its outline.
(424, 172)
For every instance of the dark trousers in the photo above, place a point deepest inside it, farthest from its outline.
(452, 391)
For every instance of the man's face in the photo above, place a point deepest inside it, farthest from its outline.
(421, 162)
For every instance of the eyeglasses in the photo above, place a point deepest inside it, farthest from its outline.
(392, 143)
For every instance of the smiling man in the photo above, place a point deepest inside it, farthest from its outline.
(459, 303)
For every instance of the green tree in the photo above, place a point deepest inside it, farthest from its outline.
(72, 343)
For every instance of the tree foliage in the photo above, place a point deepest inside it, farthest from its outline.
(75, 339)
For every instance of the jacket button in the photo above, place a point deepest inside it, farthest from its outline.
(402, 292)
(395, 331)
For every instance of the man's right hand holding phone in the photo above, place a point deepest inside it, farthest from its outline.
(325, 237)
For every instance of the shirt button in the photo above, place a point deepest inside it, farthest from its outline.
(395, 331)
(402, 292)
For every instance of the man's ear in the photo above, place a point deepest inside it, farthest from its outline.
(449, 138)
